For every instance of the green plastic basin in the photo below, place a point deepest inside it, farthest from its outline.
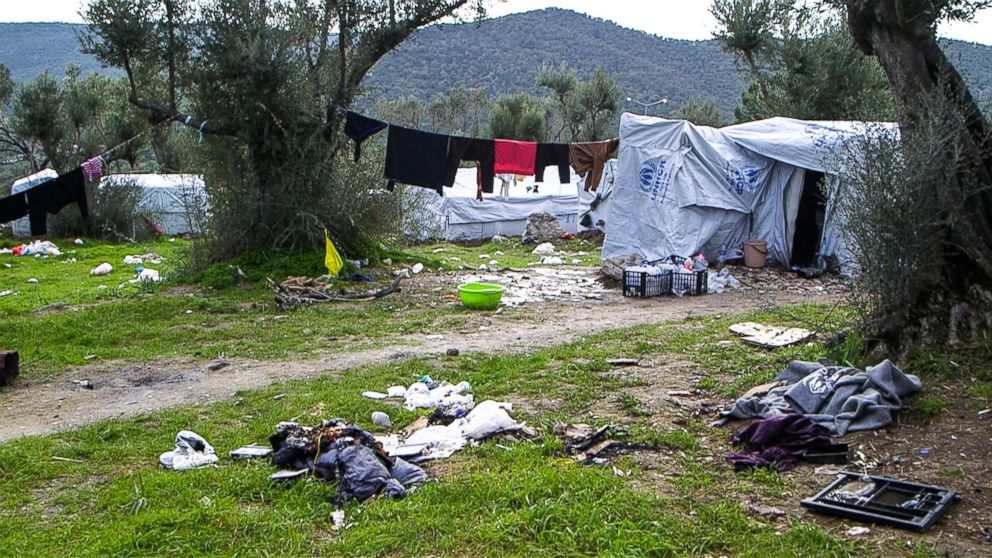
(480, 296)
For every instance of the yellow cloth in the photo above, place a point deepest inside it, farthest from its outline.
(331, 258)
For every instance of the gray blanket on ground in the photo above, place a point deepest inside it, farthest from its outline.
(841, 399)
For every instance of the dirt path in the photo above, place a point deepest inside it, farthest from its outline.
(124, 390)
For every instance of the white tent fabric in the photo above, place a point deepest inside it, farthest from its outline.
(460, 217)
(173, 201)
(681, 188)
(597, 204)
(22, 227)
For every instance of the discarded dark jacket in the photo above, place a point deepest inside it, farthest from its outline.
(778, 443)
(591, 157)
(360, 128)
(416, 158)
(52, 196)
(472, 149)
(838, 398)
(552, 154)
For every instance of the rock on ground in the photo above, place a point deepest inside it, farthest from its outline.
(542, 227)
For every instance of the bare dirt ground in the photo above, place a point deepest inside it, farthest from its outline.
(126, 389)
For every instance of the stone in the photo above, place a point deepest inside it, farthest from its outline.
(613, 267)
(541, 227)
(452, 352)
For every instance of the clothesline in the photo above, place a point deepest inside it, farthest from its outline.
(431, 160)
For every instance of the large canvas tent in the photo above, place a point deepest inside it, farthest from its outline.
(681, 189)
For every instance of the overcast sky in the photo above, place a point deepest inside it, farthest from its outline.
(680, 19)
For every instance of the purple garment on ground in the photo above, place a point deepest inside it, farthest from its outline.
(777, 442)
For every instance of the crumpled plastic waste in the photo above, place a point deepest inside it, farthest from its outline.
(102, 269)
(441, 442)
(149, 275)
(149, 258)
(718, 282)
(545, 249)
(192, 451)
(37, 248)
(421, 395)
(552, 260)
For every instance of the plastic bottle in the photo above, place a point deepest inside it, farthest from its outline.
(722, 259)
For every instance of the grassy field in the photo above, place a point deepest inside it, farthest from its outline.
(524, 500)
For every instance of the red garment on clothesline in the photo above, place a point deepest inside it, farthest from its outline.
(515, 157)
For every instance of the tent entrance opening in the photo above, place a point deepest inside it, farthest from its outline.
(809, 220)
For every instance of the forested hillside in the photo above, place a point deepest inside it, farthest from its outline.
(503, 55)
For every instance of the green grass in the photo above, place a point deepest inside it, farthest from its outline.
(67, 319)
(528, 500)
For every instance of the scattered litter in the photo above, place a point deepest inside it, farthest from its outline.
(337, 520)
(337, 450)
(32, 280)
(279, 396)
(497, 239)
(78, 242)
(576, 261)
(839, 398)
(718, 282)
(192, 451)
(545, 249)
(985, 412)
(251, 451)
(381, 420)
(296, 291)
(761, 510)
(452, 352)
(857, 531)
(778, 443)
(374, 395)
(591, 445)
(149, 258)
(498, 253)
(288, 475)
(387, 261)
(149, 276)
(883, 501)
(551, 260)
(434, 337)
(483, 256)
(925, 451)
(6, 293)
(440, 441)
(217, 365)
(102, 269)
(438, 250)
(770, 337)
(417, 268)
(85, 384)
(67, 459)
(37, 248)
(622, 361)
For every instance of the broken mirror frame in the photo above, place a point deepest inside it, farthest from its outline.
(883, 501)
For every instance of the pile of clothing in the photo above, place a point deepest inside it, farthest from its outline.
(338, 450)
(840, 399)
(431, 160)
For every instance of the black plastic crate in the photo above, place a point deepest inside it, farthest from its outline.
(643, 284)
(691, 284)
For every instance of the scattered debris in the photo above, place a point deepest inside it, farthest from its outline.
(770, 337)
(33, 280)
(337, 520)
(67, 459)
(279, 396)
(551, 260)
(78, 242)
(102, 269)
(417, 268)
(381, 420)
(251, 451)
(149, 258)
(857, 531)
(85, 384)
(622, 361)
(192, 452)
(543, 284)
(302, 290)
(761, 510)
(545, 249)
(452, 352)
(777, 443)
(218, 365)
(883, 501)
(591, 445)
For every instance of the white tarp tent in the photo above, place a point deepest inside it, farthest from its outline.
(460, 217)
(681, 188)
(22, 227)
(176, 202)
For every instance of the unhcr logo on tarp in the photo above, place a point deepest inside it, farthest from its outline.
(655, 178)
(743, 177)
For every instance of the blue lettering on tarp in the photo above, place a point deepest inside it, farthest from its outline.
(654, 178)
(824, 138)
(743, 177)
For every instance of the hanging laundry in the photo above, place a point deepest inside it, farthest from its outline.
(13, 207)
(515, 157)
(591, 157)
(92, 169)
(53, 195)
(471, 149)
(360, 128)
(552, 154)
(332, 259)
(416, 158)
